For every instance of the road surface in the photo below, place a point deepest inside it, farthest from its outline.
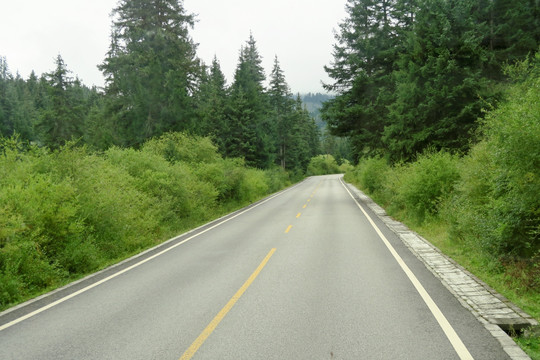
(305, 274)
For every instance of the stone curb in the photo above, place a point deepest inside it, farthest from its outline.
(492, 309)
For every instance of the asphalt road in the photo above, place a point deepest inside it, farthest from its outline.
(302, 275)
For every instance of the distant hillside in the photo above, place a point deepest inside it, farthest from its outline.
(314, 103)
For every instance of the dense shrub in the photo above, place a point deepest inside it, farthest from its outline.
(323, 165)
(69, 212)
(180, 147)
(416, 188)
(371, 174)
(497, 202)
(490, 197)
(423, 184)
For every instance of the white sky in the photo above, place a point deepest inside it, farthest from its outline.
(299, 32)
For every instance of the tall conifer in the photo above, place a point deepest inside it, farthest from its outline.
(150, 69)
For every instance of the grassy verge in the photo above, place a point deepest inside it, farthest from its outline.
(509, 280)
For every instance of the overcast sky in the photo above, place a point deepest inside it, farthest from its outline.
(299, 32)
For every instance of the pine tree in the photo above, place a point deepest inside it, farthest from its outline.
(282, 107)
(439, 82)
(512, 30)
(211, 101)
(367, 47)
(248, 111)
(150, 69)
(6, 101)
(61, 119)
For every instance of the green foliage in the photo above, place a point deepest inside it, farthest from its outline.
(488, 197)
(277, 178)
(323, 165)
(155, 85)
(501, 181)
(69, 212)
(150, 70)
(179, 147)
(413, 75)
(423, 184)
(416, 188)
(371, 174)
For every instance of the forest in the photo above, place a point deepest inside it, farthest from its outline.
(419, 78)
(417, 74)
(156, 84)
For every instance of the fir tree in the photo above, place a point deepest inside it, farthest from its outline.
(281, 104)
(61, 119)
(248, 111)
(150, 69)
(211, 101)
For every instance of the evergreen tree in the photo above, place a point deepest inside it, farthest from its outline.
(282, 107)
(242, 140)
(248, 111)
(411, 74)
(439, 82)
(211, 101)
(512, 30)
(305, 138)
(25, 114)
(61, 120)
(6, 100)
(367, 46)
(150, 69)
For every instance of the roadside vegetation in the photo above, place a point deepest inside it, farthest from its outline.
(89, 176)
(68, 212)
(327, 164)
(481, 208)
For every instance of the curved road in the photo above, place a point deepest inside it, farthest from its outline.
(304, 274)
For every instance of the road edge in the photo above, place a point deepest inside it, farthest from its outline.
(465, 287)
(35, 304)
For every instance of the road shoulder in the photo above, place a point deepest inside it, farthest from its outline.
(492, 309)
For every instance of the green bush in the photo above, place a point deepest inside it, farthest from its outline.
(253, 186)
(180, 147)
(423, 184)
(322, 165)
(372, 174)
(277, 179)
(69, 212)
(416, 188)
(497, 199)
(120, 217)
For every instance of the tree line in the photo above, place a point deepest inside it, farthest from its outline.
(416, 74)
(154, 84)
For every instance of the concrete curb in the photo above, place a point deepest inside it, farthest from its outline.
(492, 309)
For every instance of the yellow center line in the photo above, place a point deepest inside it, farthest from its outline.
(288, 229)
(215, 322)
(308, 200)
(298, 215)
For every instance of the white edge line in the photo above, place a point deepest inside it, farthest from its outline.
(59, 301)
(449, 331)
